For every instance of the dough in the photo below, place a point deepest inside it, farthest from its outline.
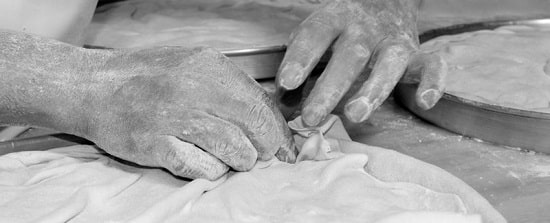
(228, 24)
(442, 13)
(311, 141)
(509, 66)
(84, 185)
(338, 190)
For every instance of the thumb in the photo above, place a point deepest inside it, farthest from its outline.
(186, 160)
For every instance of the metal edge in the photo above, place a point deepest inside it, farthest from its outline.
(468, 27)
(490, 126)
(497, 108)
(254, 51)
(456, 29)
(226, 52)
(40, 143)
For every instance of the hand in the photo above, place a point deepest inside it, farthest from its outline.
(382, 31)
(190, 111)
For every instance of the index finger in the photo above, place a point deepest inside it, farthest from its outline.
(351, 53)
(388, 69)
(307, 44)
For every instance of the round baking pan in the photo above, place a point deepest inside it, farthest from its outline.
(497, 124)
(259, 63)
(257, 60)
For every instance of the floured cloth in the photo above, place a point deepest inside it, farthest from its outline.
(368, 184)
(84, 185)
(508, 66)
(222, 24)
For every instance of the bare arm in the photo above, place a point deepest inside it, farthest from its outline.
(45, 82)
(190, 111)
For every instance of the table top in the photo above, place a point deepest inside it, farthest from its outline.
(515, 181)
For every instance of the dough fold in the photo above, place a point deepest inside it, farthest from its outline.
(336, 180)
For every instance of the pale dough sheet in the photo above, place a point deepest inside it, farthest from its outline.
(227, 24)
(160, 24)
(82, 184)
(509, 66)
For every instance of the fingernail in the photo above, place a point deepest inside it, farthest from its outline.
(428, 98)
(313, 115)
(287, 153)
(358, 110)
(292, 75)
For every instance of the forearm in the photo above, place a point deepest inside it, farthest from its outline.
(44, 82)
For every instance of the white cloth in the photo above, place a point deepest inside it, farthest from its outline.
(82, 184)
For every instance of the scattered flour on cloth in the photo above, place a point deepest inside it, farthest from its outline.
(82, 184)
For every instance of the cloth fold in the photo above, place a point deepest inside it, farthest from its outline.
(83, 184)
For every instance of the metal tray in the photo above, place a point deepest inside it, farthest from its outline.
(259, 62)
(492, 123)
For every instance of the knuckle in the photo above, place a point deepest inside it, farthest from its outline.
(360, 51)
(236, 152)
(329, 97)
(225, 151)
(183, 170)
(320, 21)
(357, 42)
(194, 167)
(336, 94)
(395, 47)
(300, 54)
(397, 51)
(265, 130)
(258, 115)
(177, 164)
(356, 31)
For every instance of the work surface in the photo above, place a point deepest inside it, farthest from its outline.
(516, 182)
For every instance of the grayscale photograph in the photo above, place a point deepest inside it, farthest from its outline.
(258, 111)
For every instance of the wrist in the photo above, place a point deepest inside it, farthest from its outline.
(45, 82)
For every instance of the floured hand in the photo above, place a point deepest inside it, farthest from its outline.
(190, 111)
(358, 30)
